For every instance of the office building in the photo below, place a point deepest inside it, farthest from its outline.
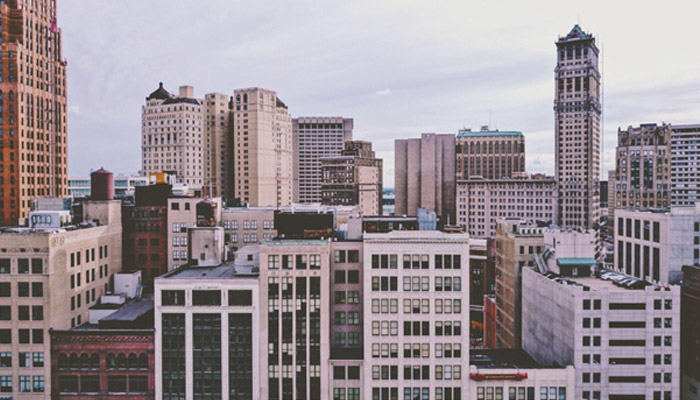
(490, 154)
(35, 162)
(111, 355)
(207, 320)
(481, 202)
(577, 113)
(262, 149)
(247, 225)
(517, 243)
(217, 140)
(184, 213)
(424, 176)
(314, 138)
(642, 170)
(50, 274)
(685, 164)
(513, 374)
(295, 319)
(124, 186)
(655, 245)
(620, 333)
(416, 334)
(353, 178)
(690, 333)
(171, 135)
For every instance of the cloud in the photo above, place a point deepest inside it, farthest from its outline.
(75, 111)
(384, 92)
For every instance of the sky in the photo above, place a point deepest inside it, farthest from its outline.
(399, 68)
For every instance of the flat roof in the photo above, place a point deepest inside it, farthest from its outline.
(295, 242)
(503, 358)
(576, 261)
(131, 310)
(466, 133)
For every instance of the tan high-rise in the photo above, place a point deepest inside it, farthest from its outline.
(262, 148)
(490, 154)
(172, 135)
(577, 113)
(217, 144)
(33, 159)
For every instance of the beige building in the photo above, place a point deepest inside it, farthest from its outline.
(49, 277)
(685, 164)
(294, 319)
(247, 225)
(517, 243)
(642, 171)
(171, 130)
(217, 143)
(424, 175)
(480, 202)
(353, 178)
(577, 113)
(262, 149)
(313, 138)
(490, 154)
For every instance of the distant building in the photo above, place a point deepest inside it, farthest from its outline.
(517, 244)
(424, 176)
(353, 178)
(513, 374)
(171, 135)
(314, 138)
(217, 142)
(481, 202)
(111, 355)
(577, 114)
(642, 172)
(655, 245)
(262, 149)
(685, 170)
(490, 321)
(388, 201)
(490, 154)
(124, 186)
(690, 333)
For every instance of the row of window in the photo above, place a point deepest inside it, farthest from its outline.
(346, 256)
(23, 266)
(441, 372)
(417, 393)
(290, 261)
(91, 384)
(350, 297)
(25, 336)
(76, 257)
(417, 306)
(350, 276)
(416, 328)
(26, 359)
(252, 224)
(206, 297)
(416, 350)
(416, 261)
(23, 289)
(23, 313)
(27, 384)
(417, 283)
(92, 362)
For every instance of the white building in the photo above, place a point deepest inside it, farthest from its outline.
(480, 202)
(513, 374)
(685, 164)
(207, 321)
(171, 135)
(621, 334)
(655, 245)
(416, 315)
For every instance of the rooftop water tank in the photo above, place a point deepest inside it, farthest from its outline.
(102, 185)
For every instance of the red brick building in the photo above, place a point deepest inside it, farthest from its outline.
(490, 321)
(113, 359)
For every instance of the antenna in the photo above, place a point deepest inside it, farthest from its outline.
(602, 107)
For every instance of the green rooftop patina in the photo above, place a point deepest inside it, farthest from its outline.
(576, 261)
(295, 242)
(467, 133)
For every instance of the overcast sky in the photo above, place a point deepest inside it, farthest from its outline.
(399, 68)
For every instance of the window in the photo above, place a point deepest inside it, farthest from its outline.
(6, 384)
(37, 336)
(5, 360)
(172, 297)
(117, 383)
(206, 298)
(5, 336)
(138, 384)
(38, 384)
(38, 359)
(23, 266)
(37, 289)
(340, 276)
(5, 289)
(240, 298)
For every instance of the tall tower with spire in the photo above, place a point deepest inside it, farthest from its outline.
(577, 112)
(33, 135)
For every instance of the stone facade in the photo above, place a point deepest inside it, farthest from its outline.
(490, 154)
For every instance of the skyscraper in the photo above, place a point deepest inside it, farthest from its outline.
(217, 144)
(262, 148)
(316, 137)
(34, 159)
(577, 114)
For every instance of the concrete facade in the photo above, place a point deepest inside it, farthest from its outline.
(49, 278)
(656, 245)
(262, 149)
(217, 142)
(424, 175)
(481, 202)
(577, 113)
(171, 135)
(416, 336)
(690, 333)
(685, 167)
(313, 138)
(490, 154)
(247, 225)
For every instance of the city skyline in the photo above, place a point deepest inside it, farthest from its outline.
(445, 80)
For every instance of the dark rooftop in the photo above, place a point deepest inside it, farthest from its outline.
(160, 93)
(178, 100)
(131, 310)
(502, 358)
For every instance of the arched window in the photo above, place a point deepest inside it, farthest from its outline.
(94, 361)
(121, 361)
(111, 361)
(63, 362)
(143, 361)
(133, 361)
(84, 361)
(73, 361)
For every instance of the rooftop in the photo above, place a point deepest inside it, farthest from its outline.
(486, 133)
(503, 358)
(576, 33)
(611, 281)
(226, 270)
(575, 262)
